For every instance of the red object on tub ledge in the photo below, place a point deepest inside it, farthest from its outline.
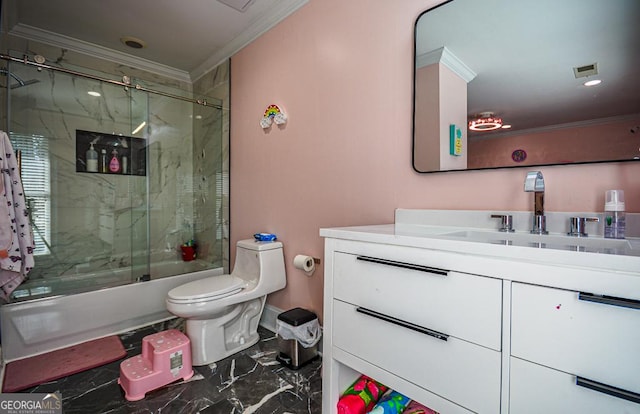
(188, 253)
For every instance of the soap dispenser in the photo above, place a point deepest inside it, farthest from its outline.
(614, 220)
(92, 159)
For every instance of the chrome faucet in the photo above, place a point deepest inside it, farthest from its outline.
(577, 225)
(534, 182)
(506, 222)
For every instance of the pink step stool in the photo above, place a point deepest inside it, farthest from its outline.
(166, 357)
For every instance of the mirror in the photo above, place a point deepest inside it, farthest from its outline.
(524, 65)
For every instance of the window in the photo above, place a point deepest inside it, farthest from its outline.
(222, 194)
(36, 184)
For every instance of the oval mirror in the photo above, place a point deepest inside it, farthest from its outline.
(504, 83)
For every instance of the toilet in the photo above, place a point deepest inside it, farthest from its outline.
(222, 312)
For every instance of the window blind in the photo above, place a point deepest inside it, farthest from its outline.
(36, 182)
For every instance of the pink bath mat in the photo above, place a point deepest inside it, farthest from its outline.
(29, 372)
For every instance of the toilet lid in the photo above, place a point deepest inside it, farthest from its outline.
(210, 288)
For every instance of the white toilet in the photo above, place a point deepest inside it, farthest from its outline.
(223, 312)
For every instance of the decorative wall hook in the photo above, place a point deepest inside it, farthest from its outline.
(271, 115)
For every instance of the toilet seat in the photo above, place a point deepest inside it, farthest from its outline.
(207, 289)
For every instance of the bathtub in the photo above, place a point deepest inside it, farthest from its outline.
(100, 274)
(42, 325)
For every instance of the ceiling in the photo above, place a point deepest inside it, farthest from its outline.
(186, 38)
(523, 54)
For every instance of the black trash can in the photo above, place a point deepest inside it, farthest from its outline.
(292, 326)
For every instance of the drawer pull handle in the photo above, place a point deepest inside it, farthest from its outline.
(404, 324)
(608, 389)
(404, 265)
(610, 300)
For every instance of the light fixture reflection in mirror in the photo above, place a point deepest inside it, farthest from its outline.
(593, 82)
(533, 77)
(485, 121)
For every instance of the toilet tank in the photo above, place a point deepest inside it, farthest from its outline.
(261, 263)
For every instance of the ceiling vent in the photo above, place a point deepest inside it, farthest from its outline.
(240, 5)
(586, 70)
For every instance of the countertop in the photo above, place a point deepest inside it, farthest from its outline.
(625, 257)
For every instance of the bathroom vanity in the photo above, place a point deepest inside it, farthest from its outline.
(448, 310)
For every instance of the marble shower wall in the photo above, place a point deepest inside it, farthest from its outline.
(91, 214)
(100, 220)
(211, 160)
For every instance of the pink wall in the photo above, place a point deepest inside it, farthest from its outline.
(342, 71)
(607, 141)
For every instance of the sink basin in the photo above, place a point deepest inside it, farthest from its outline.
(426, 230)
(541, 240)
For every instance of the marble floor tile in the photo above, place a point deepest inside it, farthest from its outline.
(249, 382)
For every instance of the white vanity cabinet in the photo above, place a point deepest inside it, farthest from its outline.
(481, 328)
(434, 332)
(573, 351)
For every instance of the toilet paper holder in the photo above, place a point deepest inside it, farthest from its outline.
(306, 263)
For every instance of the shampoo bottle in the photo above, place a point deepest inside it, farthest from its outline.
(114, 164)
(92, 159)
(614, 222)
(103, 159)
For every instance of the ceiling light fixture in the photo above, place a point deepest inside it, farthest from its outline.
(133, 42)
(593, 82)
(485, 121)
(94, 93)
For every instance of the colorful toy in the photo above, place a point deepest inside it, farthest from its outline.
(415, 407)
(361, 396)
(392, 402)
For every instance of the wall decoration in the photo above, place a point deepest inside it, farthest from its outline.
(455, 140)
(101, 153)
(519, 155)
(273, 114)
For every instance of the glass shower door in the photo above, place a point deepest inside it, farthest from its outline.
(82, 215)
(126, 178)
(185, 185)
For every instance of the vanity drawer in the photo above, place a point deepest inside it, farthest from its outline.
(568, 331)
(462, 305)
(454, 369)
(536, 389)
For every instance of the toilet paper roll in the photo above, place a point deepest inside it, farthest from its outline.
(305, 263)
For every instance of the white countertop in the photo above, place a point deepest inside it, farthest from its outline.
(554, 249)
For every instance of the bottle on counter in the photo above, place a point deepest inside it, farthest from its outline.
(92, 159)
(614, 220)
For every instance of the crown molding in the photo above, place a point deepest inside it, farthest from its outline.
(90, 49)
(451, 61)
(281, 10)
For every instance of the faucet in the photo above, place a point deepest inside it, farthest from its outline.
(534, 182)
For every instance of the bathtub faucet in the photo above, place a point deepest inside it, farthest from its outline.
(534, 182)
